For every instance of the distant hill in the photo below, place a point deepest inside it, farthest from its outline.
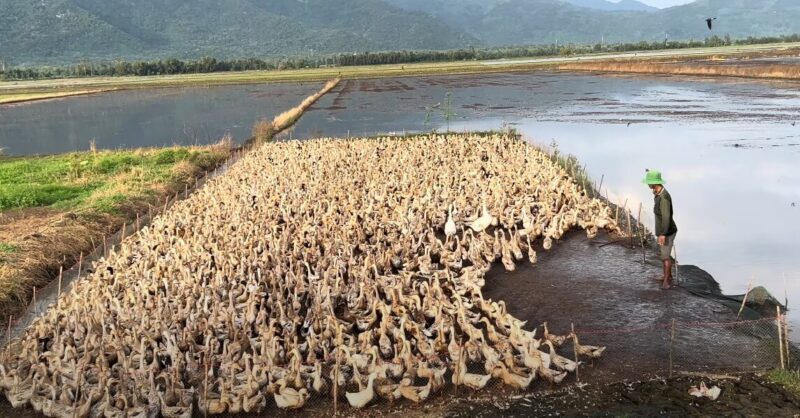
(54, 31)
(545, 21)
(628, 5)
(68, 31)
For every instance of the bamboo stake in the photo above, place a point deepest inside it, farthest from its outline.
(35, 310)
(8, 333)
(60, 275)
(602, 177)
(744, 300)
(458, 367)
(575, 351)
(105, 247)
(124, 227)
(336, 384)
(671, 346)
(677, 266)
(780, 335)
(630, 227)
(185, 190)
(786, 345)
(641, 234)
(205, 385)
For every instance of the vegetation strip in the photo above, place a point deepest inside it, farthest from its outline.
(354, 72)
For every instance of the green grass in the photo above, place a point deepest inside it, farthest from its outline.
(789, 379)
(102, 180)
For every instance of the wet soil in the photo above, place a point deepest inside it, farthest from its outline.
(748, 396)
(613, 300)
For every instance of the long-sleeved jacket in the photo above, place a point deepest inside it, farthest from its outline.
(663, 210)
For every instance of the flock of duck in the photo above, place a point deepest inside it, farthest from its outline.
(347, 268)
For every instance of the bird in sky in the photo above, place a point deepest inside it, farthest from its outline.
(708, 22)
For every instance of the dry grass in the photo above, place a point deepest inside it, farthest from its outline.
(755, 70)
(37, 239)
(264, 130)
(29, 97)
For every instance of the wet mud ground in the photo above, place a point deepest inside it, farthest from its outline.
(613, 300)
(748, 396)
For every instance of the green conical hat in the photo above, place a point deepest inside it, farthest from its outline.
(653, 177)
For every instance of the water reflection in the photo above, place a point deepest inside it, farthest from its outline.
(727, 147)
(141, 118)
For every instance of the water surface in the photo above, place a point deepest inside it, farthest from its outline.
(727, 148)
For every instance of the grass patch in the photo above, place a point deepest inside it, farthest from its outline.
(789, 379)
(8, 248)
(99, 180)
(55, 207)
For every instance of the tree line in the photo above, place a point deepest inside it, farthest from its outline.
(209, 65)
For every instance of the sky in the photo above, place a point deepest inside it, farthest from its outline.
(665, 3)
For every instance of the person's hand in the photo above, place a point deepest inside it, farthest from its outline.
(662, 240)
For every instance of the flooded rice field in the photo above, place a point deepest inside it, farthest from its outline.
(728, 148)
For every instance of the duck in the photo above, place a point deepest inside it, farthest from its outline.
(290, 398)
(471, 380)
(450, 226)
(362, 398)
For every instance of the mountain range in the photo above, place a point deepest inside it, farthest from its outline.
(68, 31)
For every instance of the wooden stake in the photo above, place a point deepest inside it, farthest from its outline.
(575, 351)
(205, 386)
(677, 266)
(630, 227)
(186, 190)
(744, 300)
(602, 177)
(641, 234)
(8, 333)
(80, 267)
(137, 222)
(780, 335)
(124, 226)
(458, 366)
(336, 383)
(60, 275)
(105, 248)
(35, 310)
(671, 346)
(786, 341)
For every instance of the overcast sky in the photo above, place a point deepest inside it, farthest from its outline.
(665, 3)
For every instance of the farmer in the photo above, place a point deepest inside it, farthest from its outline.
(665, 225)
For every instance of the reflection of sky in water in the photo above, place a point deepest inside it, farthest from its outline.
(726, 147)
(137, 118)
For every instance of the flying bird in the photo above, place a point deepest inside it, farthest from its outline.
(709, 20)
